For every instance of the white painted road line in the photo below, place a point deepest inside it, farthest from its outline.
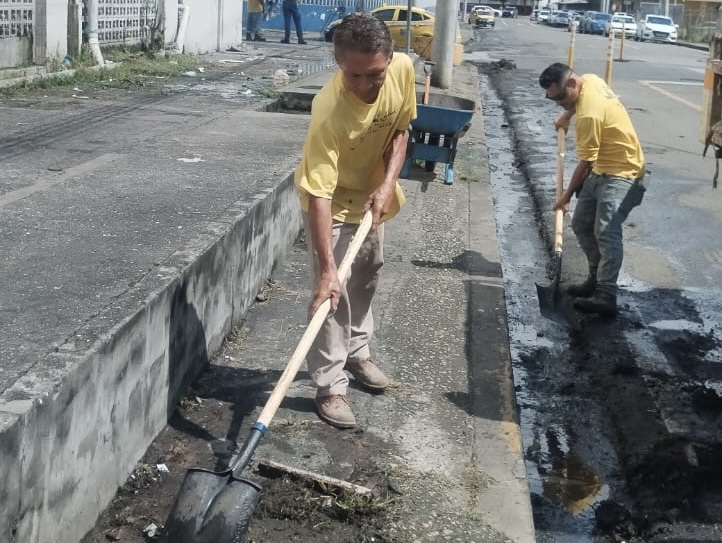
(654, 85)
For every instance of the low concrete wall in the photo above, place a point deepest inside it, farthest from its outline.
(96, 410)
(214, 25)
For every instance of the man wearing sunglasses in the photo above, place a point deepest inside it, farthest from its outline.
(608, 180)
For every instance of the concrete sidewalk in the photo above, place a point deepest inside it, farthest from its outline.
(138, 229)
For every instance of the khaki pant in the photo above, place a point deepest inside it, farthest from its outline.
(345, 335)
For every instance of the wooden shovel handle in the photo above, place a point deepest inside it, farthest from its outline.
(304, 345)
(559, 214)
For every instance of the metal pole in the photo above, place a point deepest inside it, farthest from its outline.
(92, 32)
(621, 43)
(443, 44)
(572, 39)
(408, 26)
(610, 60)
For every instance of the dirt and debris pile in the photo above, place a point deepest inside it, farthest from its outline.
(502, 65)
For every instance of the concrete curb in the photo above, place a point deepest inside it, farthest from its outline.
(698, 46)
(491, 380)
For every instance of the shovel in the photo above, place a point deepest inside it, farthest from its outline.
(554, 304)
(217, 507)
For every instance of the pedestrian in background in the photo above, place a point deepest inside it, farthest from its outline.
(253, 25)
(290, 11)
(353, 154)
(609, 179)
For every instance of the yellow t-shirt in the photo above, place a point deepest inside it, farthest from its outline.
(605, 135)
(343, 152)
(255, 6)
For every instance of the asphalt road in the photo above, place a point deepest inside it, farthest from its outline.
(621, 421)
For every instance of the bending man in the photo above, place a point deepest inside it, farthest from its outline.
(608, 180)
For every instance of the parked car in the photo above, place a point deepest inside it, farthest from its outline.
(595, 22)
(574, 21)
(656, 28)
(494, 11)
(620, 23)
(474, 14)
(485, 18)
(509, 12)
(543, 16)
(559, 18)
(422, 23)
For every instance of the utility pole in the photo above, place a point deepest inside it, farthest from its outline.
(443, 45)
(408, 25)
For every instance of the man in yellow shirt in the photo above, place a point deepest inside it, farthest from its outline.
(353, 154)
(608, 180)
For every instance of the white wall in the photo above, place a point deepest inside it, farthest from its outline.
(214, 25)
(170, 11)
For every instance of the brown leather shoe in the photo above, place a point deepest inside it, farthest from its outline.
(335, 410)
(368, 374)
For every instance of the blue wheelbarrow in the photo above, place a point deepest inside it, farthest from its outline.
(434, 134)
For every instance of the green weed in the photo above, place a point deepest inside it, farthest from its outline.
(126, 70)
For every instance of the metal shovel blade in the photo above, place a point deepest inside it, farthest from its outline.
(555, 304)
(212, 507)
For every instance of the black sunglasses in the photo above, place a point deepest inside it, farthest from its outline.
(562, 94)
(559, 97)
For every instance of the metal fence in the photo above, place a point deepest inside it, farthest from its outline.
(124, 22)
(698, 25)
(16, 18)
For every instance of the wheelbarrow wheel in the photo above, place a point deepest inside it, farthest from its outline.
(434, 140)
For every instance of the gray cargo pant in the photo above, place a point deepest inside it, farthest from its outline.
(603, 205)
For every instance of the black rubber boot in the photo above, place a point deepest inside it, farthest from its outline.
(603, 303)
(583, 290)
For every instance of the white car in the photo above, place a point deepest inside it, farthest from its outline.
(575, 19)
(496, 12)
(621, 23)
(656, 28)
(559, 18)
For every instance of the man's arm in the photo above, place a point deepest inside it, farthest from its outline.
(581, 172)
(394, 157)
(320, 223)
(563, 120)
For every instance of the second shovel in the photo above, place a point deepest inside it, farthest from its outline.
(553, 303)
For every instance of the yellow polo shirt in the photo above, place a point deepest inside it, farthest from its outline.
(605, 135)
(343, 152)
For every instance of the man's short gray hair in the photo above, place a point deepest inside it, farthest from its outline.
(364, 33)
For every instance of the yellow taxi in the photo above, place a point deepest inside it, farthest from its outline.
(395, 17)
